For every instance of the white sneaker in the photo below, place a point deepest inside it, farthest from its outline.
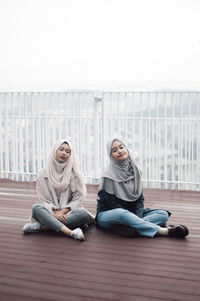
(31, 227)
(78, 234)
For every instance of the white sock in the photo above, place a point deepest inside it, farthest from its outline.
(162, 231)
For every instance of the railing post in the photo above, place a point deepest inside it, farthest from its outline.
(97, 99)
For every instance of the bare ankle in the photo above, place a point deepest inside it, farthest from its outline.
(66, 231)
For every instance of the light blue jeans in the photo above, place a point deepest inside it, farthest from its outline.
(148, 225)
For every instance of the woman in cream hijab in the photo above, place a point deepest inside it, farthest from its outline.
(121, 202)
(61, 190)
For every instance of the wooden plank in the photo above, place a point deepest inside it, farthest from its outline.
(49, 266)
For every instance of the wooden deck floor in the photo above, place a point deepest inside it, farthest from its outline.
(48, 266)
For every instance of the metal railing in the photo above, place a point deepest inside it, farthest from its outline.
(161, 129)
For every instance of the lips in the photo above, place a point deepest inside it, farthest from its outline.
(121, 155)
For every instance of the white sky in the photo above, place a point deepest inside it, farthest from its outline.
(56, 45)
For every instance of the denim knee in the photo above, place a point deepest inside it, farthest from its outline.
(121, 214)
(77, 218)
(164, 214)
(83, 214)
(35, 209)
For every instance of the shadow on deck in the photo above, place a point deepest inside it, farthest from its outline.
(48, 266)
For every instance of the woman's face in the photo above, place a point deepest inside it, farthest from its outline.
(63, 153)
(119, 151)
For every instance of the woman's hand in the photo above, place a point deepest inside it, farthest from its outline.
(61, 215)
(63, 218)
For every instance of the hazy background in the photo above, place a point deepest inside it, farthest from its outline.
(58, 45)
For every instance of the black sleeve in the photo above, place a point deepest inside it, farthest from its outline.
(139, 206)
(107, 201)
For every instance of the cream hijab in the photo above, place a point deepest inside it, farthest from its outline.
(67, 174)
(123, 179)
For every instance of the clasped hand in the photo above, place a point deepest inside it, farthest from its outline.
(60, 215)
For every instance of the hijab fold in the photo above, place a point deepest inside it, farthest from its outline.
(122, 178)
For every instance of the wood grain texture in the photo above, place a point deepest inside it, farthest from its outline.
(49, 266)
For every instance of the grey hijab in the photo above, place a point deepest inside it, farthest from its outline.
(123, 179)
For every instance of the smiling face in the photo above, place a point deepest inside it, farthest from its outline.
(63, 153)
(118, 151)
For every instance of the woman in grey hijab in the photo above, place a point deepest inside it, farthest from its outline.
(120, 205)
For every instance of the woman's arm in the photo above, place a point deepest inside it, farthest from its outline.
(107, 201)
(44, 194)
(139, 206)
(75, 201)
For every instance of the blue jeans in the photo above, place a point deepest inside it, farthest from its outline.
(148, 225)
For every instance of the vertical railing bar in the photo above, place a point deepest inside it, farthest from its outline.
(66, 114)
(184, 152)
(96, 129)
(46, 127)
(38, 131)
(73, 123)
(90, 122)
(79, 148)
(145, 158)
(172, 142)
(12, 176)
(21, 150)
(1, 126)
(186, 149)
(166, 146)
(146, 147)
(192, 146)
(180, 143)
(59, 116)
(159, 152)
(157, 140)
(10, 137)
(118, 127)
(187, 142)
(103, 132)
(33, 135)
(43, 138)
(26, 133)
(141, 129)
(49, 120)
(87, 126)
(13, 136)
(133, 123)
(149, 139)
(16, 138)
(80, 131)
(87, 138)
(53, 121)
(110, 113)
(197, 133)
(153, 151)
(189, 136)
(6, 136)
(126, 122)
